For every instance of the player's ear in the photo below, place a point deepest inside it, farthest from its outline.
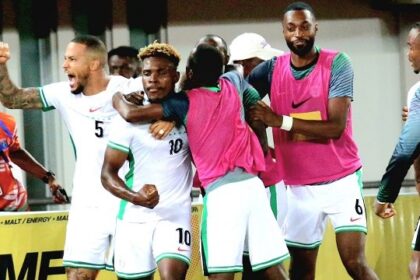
(95, 64)
(178, 75)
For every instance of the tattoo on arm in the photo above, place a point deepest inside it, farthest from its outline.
(13, 97)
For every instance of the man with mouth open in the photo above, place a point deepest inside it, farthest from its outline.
(85, 104)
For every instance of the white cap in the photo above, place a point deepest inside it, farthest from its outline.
(248, 45)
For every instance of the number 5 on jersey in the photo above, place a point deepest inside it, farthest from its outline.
(99, 129)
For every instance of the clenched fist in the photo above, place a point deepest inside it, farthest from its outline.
(147, 196)
(4, 52)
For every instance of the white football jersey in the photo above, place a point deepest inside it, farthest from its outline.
(164, 163)
(87, 119)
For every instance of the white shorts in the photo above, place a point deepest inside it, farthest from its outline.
(233, 214)
(309, 207)
(140, 246)
(89, 238)
(278, 201)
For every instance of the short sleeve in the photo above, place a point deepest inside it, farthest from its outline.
(120, 135)
(260, 77)
(248, 93)
(51, 95)
(341, 84)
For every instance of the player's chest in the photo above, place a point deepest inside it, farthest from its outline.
(176, 143)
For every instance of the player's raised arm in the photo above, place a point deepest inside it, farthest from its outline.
(11, 96)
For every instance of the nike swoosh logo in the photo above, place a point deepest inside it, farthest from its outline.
(91, 110)
(296, 105)
(183, 250)
(355, 219)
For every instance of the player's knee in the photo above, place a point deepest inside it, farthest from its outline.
(356, 266)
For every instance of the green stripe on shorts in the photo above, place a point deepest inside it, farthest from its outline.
(173, 256)
(77, 264)
(273, 199)
(270, 263)
(135, 275)
(351, 229)
(303, 245)
(204, 244)
(225, 269)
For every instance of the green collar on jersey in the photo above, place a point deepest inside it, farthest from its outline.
(215, 89)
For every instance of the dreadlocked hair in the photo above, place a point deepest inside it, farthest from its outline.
(156, 49)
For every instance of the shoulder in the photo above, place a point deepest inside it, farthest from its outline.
(121, 128)
(341, 59)
(415, 100)
(265, 68)
(269, 64)
(236, 79)
(118, 79)
(233, 76)
(119, 121)
(341, 63)
(415, 89)
(119, 83)
(60, 86)
(135, 84)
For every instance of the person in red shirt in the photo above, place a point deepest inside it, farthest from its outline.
(13, 195)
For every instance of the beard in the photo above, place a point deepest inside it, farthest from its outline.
(304, 50)
(78, 90)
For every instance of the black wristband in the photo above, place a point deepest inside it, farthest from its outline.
(48, 176)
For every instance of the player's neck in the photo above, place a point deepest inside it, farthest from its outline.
(97, 83)
(302, 61)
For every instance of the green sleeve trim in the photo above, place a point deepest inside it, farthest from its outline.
(45, 106)
(215, 89)
(118, 147)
